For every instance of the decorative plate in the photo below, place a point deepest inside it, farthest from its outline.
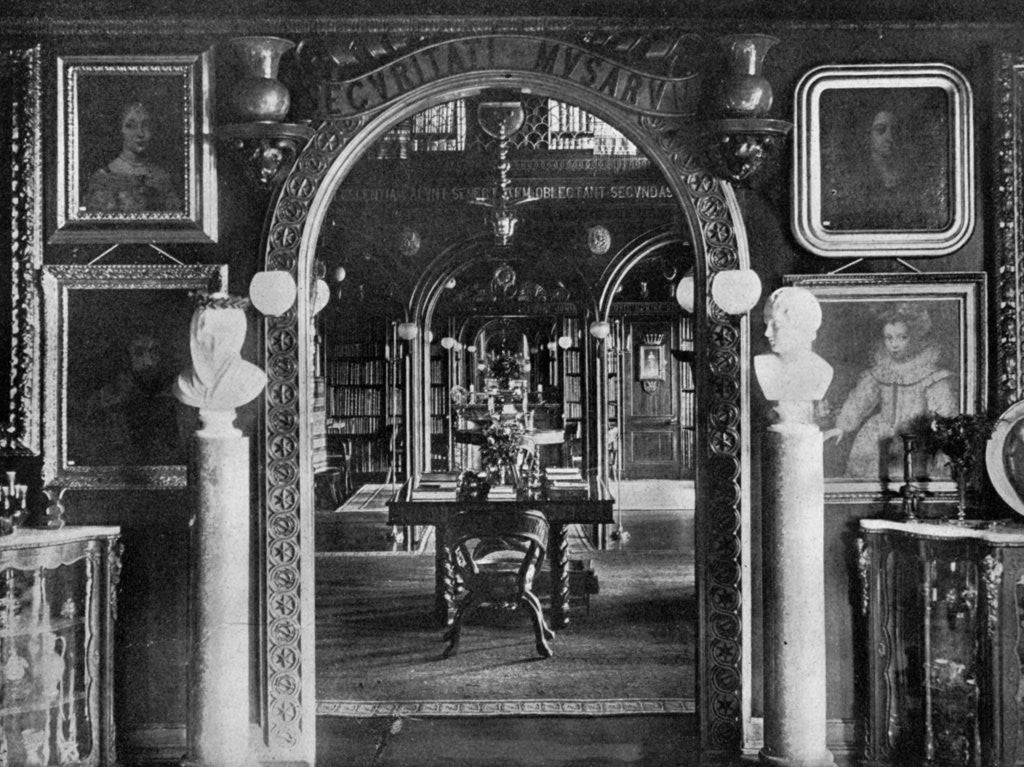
(1004, 457)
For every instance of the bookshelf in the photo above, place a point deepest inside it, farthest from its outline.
(687, 401)
(572, 384)
(364, 403)
(440, 424)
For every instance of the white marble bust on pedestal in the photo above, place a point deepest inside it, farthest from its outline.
(792, 375)
(219, 380)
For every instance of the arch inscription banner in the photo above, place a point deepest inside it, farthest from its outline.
(639, 91)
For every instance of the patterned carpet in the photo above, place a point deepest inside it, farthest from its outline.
(378, 653)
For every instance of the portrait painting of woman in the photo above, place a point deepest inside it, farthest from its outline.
(134, 159)
(131, 182)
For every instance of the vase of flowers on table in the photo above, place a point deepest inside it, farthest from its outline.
(499, 449)
(962, 438)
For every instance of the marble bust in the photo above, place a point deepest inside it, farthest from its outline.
(219, 380)
(792, 375)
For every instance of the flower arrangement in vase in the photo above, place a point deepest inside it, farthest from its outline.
(499, 448)
(962, 438)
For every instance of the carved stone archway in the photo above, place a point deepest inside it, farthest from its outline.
(287, 694)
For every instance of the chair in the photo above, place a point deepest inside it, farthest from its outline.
(496, 554)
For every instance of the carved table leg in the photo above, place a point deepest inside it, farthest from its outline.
(444, 579)
(558, 553)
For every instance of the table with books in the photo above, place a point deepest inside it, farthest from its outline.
(565, 498)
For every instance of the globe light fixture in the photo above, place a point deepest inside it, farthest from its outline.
(600, 329)
(736, 291)
(407, 330)
(272, 292)
(686, 293)
(447, 343)
(564, 342)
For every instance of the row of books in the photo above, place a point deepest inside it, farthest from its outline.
(563, 482)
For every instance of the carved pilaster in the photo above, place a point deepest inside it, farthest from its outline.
(864, 570)
(992, 579)
(21, 85)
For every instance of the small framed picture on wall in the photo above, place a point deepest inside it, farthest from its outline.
(134, 153)
(883, 161)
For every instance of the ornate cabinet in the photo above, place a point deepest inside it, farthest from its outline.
(943, 603)
(57, 605)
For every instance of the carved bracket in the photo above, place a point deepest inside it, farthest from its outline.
(267, 150)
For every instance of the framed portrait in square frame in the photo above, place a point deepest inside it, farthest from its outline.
(651, 362)
(903, 348)
(134, 155)
(119, 338)
(883, 161)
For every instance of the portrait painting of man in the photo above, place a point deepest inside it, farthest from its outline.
(121, 373)
(885, 159)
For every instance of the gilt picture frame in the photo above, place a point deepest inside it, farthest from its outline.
(903, 347)
(883, 161)
(117, 338)
(135, 158)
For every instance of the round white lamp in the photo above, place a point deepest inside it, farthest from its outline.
(339, 274)
(407, 330)
(273, 292)
(686, 293)
(321, 295)
(564, 342)
(600, 329)
(448, 343)
(736, 290)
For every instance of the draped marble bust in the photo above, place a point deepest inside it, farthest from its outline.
(219, 380)
(792, 375)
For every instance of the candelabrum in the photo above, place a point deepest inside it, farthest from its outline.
(14, 499)
(911, 493)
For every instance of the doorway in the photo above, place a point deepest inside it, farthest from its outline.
(293, 233)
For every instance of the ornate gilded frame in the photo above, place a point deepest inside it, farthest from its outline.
(839, 209)
(1008, 232)
(22, 154)
(177, 91)
(102, 289)
(852, 305)
(712, 213)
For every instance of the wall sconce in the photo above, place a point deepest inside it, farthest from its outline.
(736, 291)
(260, 102)
(273, 292)
(745, 140)
(600, 329)
(407, 331)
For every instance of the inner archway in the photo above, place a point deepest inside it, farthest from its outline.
(711, 214)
